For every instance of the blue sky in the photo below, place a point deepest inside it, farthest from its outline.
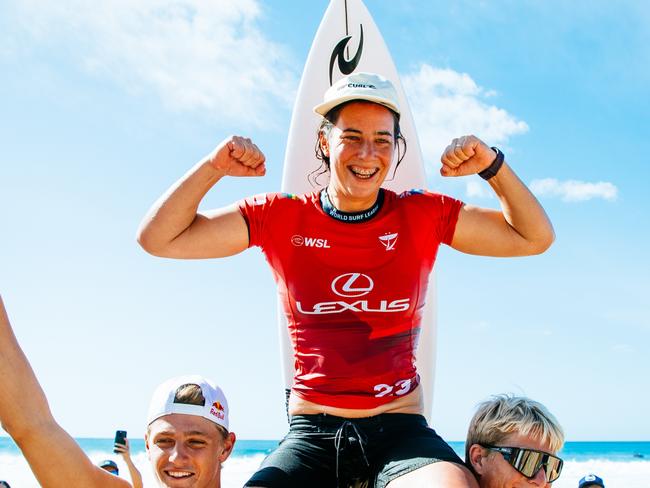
(105, 105)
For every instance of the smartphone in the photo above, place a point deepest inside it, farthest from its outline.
(120, 438)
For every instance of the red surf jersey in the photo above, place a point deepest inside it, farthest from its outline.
(353, 293)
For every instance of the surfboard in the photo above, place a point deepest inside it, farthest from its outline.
(349, 41)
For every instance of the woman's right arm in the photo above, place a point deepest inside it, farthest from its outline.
(174, 228)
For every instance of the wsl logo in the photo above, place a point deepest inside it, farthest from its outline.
(346, 66)
(299, 241)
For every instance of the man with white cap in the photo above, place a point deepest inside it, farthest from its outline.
(187, 436)
(352, 263)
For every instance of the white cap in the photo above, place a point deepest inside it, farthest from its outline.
(215, 408)
(359, 86)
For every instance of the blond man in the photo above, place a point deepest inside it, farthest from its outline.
(513, 442)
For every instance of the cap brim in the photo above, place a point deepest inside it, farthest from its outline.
(324, 108)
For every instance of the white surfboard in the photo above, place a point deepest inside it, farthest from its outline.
(348, 41)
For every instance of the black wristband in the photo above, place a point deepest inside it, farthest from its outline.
(494, 168)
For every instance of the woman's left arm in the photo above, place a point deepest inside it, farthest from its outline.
(521, 228)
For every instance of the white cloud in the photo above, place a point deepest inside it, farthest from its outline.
(194, 54)
(478, 189)
(574, 191)
(448, 104)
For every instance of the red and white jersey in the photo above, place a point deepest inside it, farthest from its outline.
(353, 293)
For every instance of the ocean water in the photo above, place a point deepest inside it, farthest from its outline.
(620, 464)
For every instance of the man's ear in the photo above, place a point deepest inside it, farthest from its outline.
(324, 143)
(146, 444)
(228, 446)
(477, 458)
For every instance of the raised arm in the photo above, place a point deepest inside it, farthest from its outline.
(55, 458)
(174, 228)
(125, 451)
(521, 228)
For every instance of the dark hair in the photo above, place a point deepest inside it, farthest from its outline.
(329, 120)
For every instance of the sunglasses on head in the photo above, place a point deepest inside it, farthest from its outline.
(529, 461)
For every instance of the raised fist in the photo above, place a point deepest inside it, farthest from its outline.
(238, 156)
(466, 155)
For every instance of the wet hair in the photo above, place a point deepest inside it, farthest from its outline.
(329, 120)
(504, 415)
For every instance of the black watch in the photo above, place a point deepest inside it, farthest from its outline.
(494, 168)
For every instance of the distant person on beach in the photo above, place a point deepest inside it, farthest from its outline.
(591, 481)
(513, 441)
(187, 437)
(352, 262)
(109, 466)
(125, 451)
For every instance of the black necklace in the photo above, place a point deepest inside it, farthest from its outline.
(354, 217)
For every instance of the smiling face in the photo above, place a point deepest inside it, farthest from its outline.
(360, 147)
(495, 472)
(186, 451)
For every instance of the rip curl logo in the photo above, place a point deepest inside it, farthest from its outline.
(389, 241)
(352, 285)
(218, 410)
(346, 66)
(358, 85)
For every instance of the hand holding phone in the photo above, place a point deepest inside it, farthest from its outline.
(120, 438)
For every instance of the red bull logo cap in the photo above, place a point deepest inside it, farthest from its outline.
(166, 400)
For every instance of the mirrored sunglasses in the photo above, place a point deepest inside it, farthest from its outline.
(529, 461)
